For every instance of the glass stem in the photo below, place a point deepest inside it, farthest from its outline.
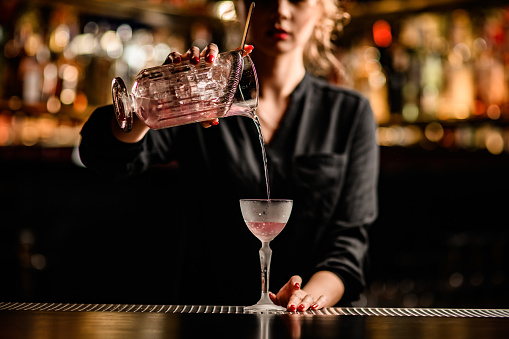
(265, 256)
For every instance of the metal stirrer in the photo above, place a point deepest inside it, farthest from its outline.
(248, 21)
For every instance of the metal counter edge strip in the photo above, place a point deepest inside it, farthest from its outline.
(199, 309)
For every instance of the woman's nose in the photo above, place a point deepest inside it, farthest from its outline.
(282, 8)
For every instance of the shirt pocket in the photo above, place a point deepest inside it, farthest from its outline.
(318, 181)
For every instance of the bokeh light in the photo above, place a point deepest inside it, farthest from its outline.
(225, 10)
(434, 131)
(382, 35)
(59, 38)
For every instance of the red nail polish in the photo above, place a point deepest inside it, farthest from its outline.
(195, 60)
(210, 58)
(292, 308)
(301, 307)
(297, 285)
(315, 305)
(215, 123)
(249, 48)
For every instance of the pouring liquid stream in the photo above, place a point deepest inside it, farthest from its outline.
(255, 118)
(264, 153)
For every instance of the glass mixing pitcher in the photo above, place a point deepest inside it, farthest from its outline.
(178, 94)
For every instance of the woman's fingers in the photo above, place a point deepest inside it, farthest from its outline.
(296, 299)
(319, 303)
(273, 297)
(293, 285)
(295, 282)
(193, 55)
(210, 53)
(304, 304)
(302, 301)
(173, 57)
(299, 300)
(209, 123)
(247, 49)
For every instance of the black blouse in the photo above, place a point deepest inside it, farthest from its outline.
(324, 156)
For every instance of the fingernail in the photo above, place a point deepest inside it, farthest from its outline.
(301, 307)
(297, 285)
(210, 58)
(248, 48)
(195, 60)
(215, 123)
(177, 60)
(292, 308)
(315, 305)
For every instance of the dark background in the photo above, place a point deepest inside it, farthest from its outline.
(69, 235)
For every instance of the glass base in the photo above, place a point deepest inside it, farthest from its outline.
(258, 309)
(265, 305)
(122, 104)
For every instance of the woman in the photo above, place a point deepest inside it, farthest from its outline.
(321, 153)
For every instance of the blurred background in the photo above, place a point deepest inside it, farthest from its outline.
(435, 71)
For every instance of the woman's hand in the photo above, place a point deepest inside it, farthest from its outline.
(193, 54)
(324, 289)
(294, 298)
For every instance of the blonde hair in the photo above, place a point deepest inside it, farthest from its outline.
(319, 58)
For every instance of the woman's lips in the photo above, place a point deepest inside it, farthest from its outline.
(279, 34)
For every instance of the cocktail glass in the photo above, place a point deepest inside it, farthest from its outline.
(265, 218)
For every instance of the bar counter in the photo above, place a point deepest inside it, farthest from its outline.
(111, 321)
